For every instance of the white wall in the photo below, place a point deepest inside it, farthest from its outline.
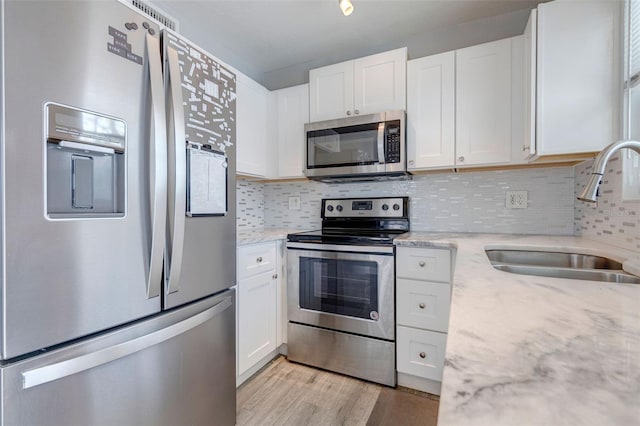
(423, 44)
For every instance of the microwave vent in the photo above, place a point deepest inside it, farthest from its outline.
(362, 178)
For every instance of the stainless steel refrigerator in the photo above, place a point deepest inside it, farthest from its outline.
(117, 171)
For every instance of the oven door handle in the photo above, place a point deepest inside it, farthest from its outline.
(381, 159)
(384, 250)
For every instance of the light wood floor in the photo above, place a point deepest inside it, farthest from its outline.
(285, 393)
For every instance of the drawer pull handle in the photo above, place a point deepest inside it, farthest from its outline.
(421, 263)
(422, 305)
(423, 355)
(259, 260)
(274, 276)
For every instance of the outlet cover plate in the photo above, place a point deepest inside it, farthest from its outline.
(294, 202)
(516, 199)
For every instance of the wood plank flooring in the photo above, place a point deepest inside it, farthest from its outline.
(285, 393)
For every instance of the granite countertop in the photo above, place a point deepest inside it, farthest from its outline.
(527, 350)
(254, 236)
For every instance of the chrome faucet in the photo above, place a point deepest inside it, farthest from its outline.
(591, 189)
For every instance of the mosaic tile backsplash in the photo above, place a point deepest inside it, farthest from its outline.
(250, 205)
(444, 202)
(609, 220)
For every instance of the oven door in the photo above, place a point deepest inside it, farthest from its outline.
(342, 287)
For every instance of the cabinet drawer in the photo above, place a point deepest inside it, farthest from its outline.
(423, 264)
(420, 352)
(423, 304)
(256, 258)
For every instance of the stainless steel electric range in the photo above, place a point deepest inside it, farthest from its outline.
(341, 291)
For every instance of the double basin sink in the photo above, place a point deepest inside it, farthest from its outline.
(560, 265)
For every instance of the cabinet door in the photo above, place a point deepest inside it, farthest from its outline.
(423, 304)
(380, 82)
(419, 263)
(530, 49)
(257, 306)
(251, 127)
(281, 285)
(431, 111)
(331, 91)
(483, 104)
(578, 76)
(293, 114)
(256, 259)
(420, 352)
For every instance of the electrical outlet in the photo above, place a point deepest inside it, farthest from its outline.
(294, 202)
(516, 199)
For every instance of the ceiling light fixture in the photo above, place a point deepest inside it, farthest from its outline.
(346, 7)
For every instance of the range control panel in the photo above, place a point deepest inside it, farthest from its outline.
(365, 207)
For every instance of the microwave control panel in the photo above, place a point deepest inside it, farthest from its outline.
(392, 142)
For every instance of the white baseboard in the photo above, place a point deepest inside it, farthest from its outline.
(419, 383)
(282, 350)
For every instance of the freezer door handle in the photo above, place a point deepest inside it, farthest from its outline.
(157, 169)
(59, 370)
(178, 179)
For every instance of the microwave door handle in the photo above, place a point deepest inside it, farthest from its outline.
(381, 143)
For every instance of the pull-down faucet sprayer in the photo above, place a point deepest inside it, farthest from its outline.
(591, 189)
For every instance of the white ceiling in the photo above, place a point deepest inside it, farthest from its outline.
(260, 37)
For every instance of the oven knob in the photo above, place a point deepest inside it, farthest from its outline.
(339, 208)
(396, 206)
(330, 208)
(385, 207)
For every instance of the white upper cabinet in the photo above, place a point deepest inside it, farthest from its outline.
(366, 85)
(380, 82)
(331, 91)
(483, 104)
(578, 78)
(431, 111)
(251, 127)
(530, 49)
(293, 113)
(465, 108)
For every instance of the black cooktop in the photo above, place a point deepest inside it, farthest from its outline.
(359, 221)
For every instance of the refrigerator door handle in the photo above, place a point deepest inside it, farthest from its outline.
(157, 168)
(59, 370)
(179, 178)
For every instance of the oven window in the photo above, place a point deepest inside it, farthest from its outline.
(344, 146)
(338, 286)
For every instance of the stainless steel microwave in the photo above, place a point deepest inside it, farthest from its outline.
(366, 147)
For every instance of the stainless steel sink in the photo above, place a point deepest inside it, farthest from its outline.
(560, 265)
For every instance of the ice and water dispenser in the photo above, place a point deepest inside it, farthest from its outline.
(85, 156)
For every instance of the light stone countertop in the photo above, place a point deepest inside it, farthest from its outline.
(527, 350)
(254, 236)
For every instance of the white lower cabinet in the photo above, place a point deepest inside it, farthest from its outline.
(259, 322)
(421, 352)
(423, 304)
(423, 299)
(257, 319)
